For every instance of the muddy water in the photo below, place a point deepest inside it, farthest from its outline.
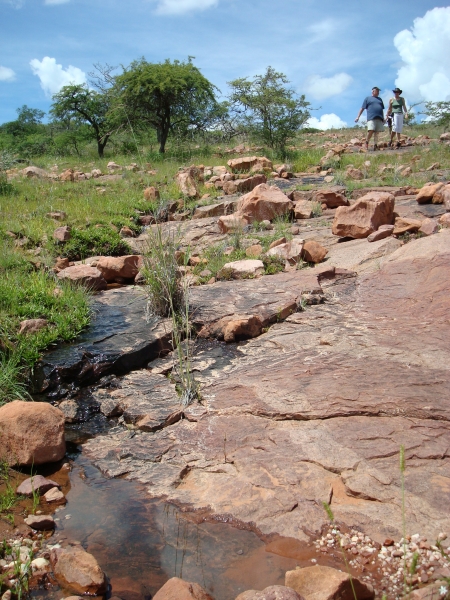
(141, 542)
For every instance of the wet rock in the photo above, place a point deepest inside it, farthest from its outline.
(32, 325)
(78, 570)
(325, 583)
(40, 522)
(382, 232)
(177, 589)
(273, 592)
(264, 202)
(241, 269)
(365, 216)
(54, 495)
(62, 234)
(313, 252)
(113, 267)
(85, 275)
(71, 411)
(31, 433)
(38, 483)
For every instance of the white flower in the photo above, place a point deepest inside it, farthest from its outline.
(442, 590)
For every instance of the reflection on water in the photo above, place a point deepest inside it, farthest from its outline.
(140, 543)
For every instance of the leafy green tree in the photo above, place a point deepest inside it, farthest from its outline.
(438, 113)
(268, 108)
(85, 106)
(168, 97)
(28, 122)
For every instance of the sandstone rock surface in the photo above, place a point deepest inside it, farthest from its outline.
(273, 592)
(77, 569)
(123, 267)
(325, 583)
(89, 277)
(177, 589)
(31, 433)
(263, 202)
(365, 216)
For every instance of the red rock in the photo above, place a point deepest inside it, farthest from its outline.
(32, 325)
(78, 570)
(61, 263)
(290, 252)
(237, 329)
(254, 250)
(354, 173)
(382, 232)
(402, 225)
(429, 227)
(243, 185)
(246, 163)
(313, 252)
(442, 196)
(277, 243)
(365, 216)
(38, 483)
(330, 198)
(231, 222)
(187, 185)
(31, 433)
(85, 275)
(40, 522)
(112, 267)
(303, 209)
(62, 234)
(426, 193)
(177, 589)
(241, 269)
(444, 220)
(273, 592)
(326, 583)
(67, 175)
(151, 193)
(264, 203)
(126, 232)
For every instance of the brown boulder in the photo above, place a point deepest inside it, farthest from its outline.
(31, 433)
(151, 193)
(77, 569)
(429, 227)
(326, 583)
(187, 185)
(264, 202)
(237, 328)
(244, 163)
(38, 484)
(61, 263)
(277, 243)
(303, 210)
(231, 222)
(273, 592)
(382, 232)
(442, 196)
(290, 252)
(126, 232)
(112, 267)
(254, 250)
(403, 225)
(34, 172)
(40, 522)
(62, 234)
(425, 194)
(67, 175)
(243, 185)
(365, 216)
(330, 198)
(354, 173)
(85, 275)
(32, 325)
(177, 589)
(241, 269)
(313, 252)
(444, 220)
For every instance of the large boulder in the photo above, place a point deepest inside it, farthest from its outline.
(243, 185)
(330, 198)
(245, 163)
(78, 570)
(85, 275)
(326, 583)
(241, 269)
(404, 225)
(36, 484)
(427, 192)
(34, 172)
(290, 252)
(313, 252)
(177, 589)
(31, 433)
(122, 267)
(232, 222)
(264, 202)
(365, 216)
(442, 196)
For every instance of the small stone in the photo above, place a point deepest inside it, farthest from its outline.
(40, 522)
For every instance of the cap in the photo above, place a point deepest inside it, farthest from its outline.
(376, 88)
(397, 90)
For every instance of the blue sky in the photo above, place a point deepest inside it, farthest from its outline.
(332, 51)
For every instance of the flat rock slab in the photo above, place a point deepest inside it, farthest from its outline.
(118, 340)
(317, 409)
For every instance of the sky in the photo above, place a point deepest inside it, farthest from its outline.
(333, 52)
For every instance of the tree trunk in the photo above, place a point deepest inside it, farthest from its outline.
(163, 140)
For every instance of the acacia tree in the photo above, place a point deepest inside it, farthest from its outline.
(438, 113)
(167, 96)
(86, 106)
(268, 108)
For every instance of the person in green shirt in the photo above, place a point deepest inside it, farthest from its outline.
(396, 110)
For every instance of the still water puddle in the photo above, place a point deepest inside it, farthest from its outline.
(141, 542)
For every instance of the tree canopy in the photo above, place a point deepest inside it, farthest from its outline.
(268, 107)
(168, 96)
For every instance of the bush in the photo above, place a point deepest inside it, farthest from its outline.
(94, 241)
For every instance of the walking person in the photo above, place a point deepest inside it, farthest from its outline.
(397, 108)
(375, 116)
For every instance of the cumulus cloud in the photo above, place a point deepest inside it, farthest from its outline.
(14, 3)
(53, 77)
(329, 121)
(178, 7)
(6, 74)
(424, 50)
(324, 87)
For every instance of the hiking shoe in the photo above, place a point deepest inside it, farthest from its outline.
(366, 145)
(398, 145)
(375, 147)
(390, 144)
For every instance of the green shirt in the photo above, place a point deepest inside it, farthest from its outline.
(398, 104)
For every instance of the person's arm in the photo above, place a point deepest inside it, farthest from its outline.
(363, 108)
(405, 109)
(389, 110)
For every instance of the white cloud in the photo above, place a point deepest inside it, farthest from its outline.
(323, 87)
(53, 77)
(6, 74)
(329, 121)
(52, 2)
(15, 3)
(177, 7)
(424, 50)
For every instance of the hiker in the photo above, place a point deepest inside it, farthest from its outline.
(375, 116)
(397, 106)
